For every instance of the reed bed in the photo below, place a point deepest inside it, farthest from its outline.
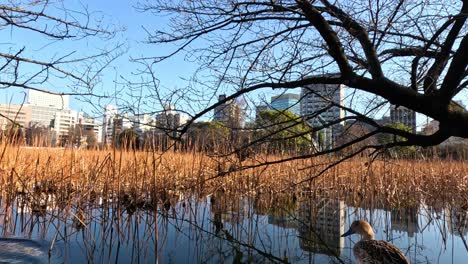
(150, 175)
(105, 195)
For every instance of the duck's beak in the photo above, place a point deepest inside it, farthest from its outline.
(350, 232)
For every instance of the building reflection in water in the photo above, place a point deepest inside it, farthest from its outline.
(321, 223)
(405, 220)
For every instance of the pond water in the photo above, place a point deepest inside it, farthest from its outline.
(220, 228)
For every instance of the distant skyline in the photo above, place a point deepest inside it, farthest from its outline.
(175, 72)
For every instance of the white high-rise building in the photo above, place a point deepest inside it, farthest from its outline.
(110, 114)
(38, 98)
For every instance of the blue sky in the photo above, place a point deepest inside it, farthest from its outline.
(122, 14)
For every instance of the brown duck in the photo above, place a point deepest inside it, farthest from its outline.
(371, 251)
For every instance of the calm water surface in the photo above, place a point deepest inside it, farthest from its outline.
(219, 228)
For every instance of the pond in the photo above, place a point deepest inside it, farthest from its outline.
(219, 227)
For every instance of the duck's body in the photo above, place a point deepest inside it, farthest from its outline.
(378, 251)
(370, 251)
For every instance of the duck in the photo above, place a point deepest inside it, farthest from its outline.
(371, 251)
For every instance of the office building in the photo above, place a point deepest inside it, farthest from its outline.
(143, 123)
(404, 116)
(62, 123)
(320, 105)
(319, 98)
(287, 101)
(110, 114)
(38, 98)
(19, 114)
(90, 124)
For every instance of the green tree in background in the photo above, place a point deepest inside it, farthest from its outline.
(282, 131)
(398, 151)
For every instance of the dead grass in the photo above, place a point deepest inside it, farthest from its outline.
(396, 183)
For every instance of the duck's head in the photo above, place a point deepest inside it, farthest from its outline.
(362, 228)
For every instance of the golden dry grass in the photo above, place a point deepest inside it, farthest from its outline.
(391, 182)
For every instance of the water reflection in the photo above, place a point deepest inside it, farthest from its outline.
(405, 220)
(457, 221)
(322, 224)
(178, 227)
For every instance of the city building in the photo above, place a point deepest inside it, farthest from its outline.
(90, 124)
(230, 113)
(19, 114)
(143, 123)
(431, 127)
(38, 98)
(316, 98)
(44, 106)
(320, 105)
(118, 124)
(404, 116)
(42, 115)
(62, 123)
(170, 119)
(287, 101)
(110, 114)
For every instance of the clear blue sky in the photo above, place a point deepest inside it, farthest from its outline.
(122, 14)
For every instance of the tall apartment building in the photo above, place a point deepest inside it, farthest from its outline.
(229, 113)
(319, 106)
(287, 101)
(20, 114)
(404, 116)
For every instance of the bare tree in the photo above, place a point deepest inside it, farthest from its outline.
(407, 53)
(42, 21)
